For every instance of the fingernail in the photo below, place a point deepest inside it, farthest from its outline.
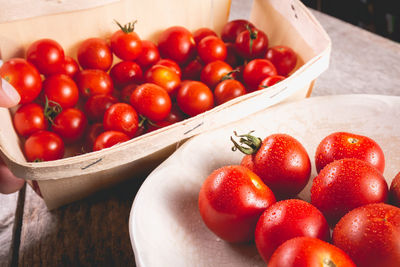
(11, 93)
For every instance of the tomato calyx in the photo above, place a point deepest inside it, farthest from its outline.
(51, 110)
(229, 75)
(249, 144)
(352, 140)
(127, 28)
(328, 263)
(253, 36)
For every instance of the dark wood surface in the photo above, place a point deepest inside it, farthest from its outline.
(94, 231)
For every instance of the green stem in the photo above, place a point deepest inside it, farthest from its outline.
(127, 28)
(248, 144)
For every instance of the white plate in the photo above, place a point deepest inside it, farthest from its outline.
(165, 225)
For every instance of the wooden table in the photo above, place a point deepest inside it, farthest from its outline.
(94, 231)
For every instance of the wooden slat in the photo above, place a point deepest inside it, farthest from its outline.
(8, 204)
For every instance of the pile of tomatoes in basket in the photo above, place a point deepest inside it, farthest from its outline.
(257, 201)
(124, 87)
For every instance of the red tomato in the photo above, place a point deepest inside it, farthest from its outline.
(164, 77)
(252, 43)
(170, 64)
(211, 48)
(126, 93)
(192, 70)
(24, 77)
(231, 200)
(126, 72)
(285, 220)
(94, 82)
(44, 146)
(175, 115)
(199, 34)
(61, 89)
(370, 235)
(283, 58)
(47, 55)
(29, 118)
(149, 55)
(121, 117)
(269, 81)
(232, 57)
(70, 124)
(176, 43)
(93, 131)
(346, 184)
(109, 139)
(227, 90)
(342, 145)
(96, 106)
(194, 98)
(232, 29)
(125, 43)
(256, 71)
(213, 73)
(308, 252)
(70, 67)
(394, 194)
(280, 161)
(151, 101)
(94, 53)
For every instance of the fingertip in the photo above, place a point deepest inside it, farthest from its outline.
(9, 96)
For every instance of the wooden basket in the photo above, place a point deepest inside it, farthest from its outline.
(69, 179)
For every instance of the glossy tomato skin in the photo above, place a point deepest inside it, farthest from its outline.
(340, 145)
(171, 65)
(211, 48)
(93, 131)
(126, 45)
(194, 98)
(201, 33)
(231, 200)
(94, 53)
(61, 89)
(126, 93)
(283, 58)
(394, 193)
(151, 101)
(96, 106)
(251, 43)
(309, 251)
(70, 125)
(46, 55)
(44, 146)
(213, 73)
(285, 220)
(232, 57)
(174, 116)
(269, 81)
(70, 67)
(192, 70)
(164, 77)
(176, 43)
(256, 71)
(370, 235)
(29, 118)
(149, 55)
(227, 90)
(94, 82)
(121, 117)
(283, 164)
(109, 139)
(24, 77)
(126, 72)
(233, 28)
(346, 184)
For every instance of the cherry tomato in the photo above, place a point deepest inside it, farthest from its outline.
(70, 125)
(200, 33)
(126, 72)
(231, 200)
(70, 67)
(152, 101)
(370, 235)
(164, 77)
(194, 98)
(170, 64)
(232, 29)
(309, 251)
(109, 139)
(96, 106)
(283, 58)
(94, 53)
(61, 89)
(94, 82)
(125, 43)
(346, 184)
(24, 77)
(211, 48)
(342, 145)
(126, 93)
(29, 118)
(213, 73)
(175, 115)
(269, 81)
(232, 57)
(149, 55)
(394, 193)
(285, 220)
(227, 90)
(252, 43)
(177, 43)
(280, 161)
(93, 131)
(256, 71)
(47, 55)
(44, 146)
(192, 70)
(121, 117)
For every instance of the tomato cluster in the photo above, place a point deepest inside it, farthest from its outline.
(257, 201)
(99, 101)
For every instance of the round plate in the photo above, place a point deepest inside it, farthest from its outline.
(165, 225)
